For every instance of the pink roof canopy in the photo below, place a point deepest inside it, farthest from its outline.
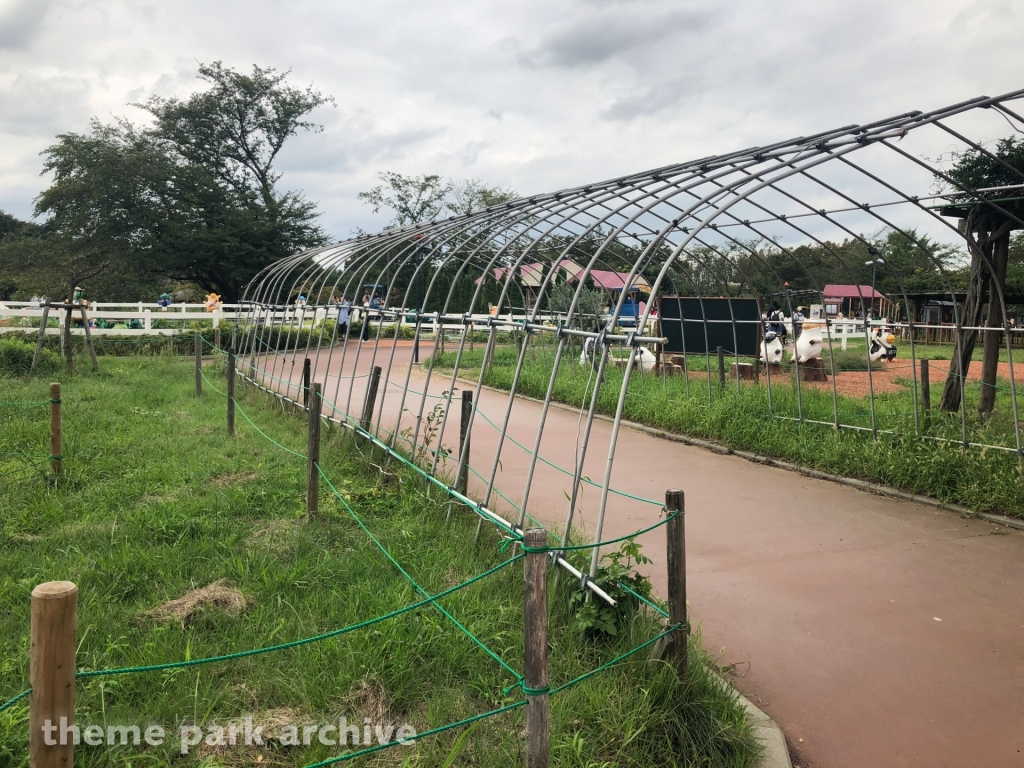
(850, 292)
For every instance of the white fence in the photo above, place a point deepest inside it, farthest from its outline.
(144, 312)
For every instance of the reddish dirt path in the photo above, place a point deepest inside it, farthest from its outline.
(880, 632)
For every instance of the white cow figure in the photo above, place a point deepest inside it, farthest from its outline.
(587, 355)
(645, 359)
(771, 348)
(808, 347)
(883, 345)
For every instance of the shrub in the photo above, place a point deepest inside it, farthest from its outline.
(16, 358)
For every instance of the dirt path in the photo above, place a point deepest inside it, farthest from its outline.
(876, 632)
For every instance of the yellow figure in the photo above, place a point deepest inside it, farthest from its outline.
(213, 302)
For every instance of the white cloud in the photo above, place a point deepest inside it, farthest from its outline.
(537, 94)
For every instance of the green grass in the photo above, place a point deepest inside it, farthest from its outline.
(156, 500)
(983, 480)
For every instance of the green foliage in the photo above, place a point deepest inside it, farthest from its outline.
(192, 198)
(415, 199)
(975, 169)
(16, 358)
(616, 571)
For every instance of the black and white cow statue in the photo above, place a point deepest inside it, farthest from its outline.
(771, 348)
(883, 345)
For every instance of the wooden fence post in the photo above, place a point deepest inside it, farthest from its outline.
(462, 481)
(926, 393)
(88, 335)
(721, 368)
(68, 354)
(674, 646)
(306, 371)
(313, 452)
(216, 338)
(371, 399)
(199, 364)
(56, 430)
(535, 649)
(42, 336)
(231, 391)
(52, 675)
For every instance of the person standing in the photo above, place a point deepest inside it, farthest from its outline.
(364, 336)
(344, 310)
(798, 322)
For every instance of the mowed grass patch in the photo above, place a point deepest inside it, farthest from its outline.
(751, 419)
(156, 502)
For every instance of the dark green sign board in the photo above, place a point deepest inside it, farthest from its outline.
(698, 326)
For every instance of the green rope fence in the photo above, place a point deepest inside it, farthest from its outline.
(428, 599)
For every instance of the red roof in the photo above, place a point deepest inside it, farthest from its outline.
(851, 292)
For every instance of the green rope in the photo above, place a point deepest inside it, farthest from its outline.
(616, 660)
(25, 410)
(56, 456)
(620, 538)
(405, 573)
(15, 700)
(431, 732)
(430, 599)
(222, 394)
(246, 417)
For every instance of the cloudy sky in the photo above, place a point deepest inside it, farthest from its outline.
(536, 94)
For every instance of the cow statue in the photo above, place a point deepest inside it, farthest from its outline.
(645, 359)
(808, 347)
(883, 345)
(771, 348)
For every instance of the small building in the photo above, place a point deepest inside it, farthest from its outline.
(856, 301)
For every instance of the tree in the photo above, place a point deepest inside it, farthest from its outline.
(193, 197)
(415, 199)
(987, 228)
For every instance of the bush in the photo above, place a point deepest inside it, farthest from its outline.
(16, 358)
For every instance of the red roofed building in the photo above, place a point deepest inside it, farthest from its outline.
(851, 299)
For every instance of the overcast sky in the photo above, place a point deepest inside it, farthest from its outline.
(536, 94)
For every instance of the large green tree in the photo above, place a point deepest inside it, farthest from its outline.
(986, 221)
(194, 196)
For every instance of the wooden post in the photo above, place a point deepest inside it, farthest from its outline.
(371, 398)
(462, 481)
(721, 368)
(231, 391)
(535, 649)
(56, 430)
(313, 452)
(42, 336)
(216, 338)
(306, 371)
(52, 674)
(199, 364)
(68, 354)
(926, 393)
(672, 647)
(234, 333)
(88, 336)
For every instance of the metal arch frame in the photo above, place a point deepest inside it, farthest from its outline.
(681, 210)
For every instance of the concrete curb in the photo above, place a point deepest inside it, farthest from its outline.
(863, 485)
(775, 752)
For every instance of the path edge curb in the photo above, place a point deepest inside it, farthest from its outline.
(710, 445)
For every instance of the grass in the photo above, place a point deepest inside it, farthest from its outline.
(981, 479)
(156, 501)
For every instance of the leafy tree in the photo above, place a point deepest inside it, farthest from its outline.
(987, 229)
(193, 197)
(415, 199)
